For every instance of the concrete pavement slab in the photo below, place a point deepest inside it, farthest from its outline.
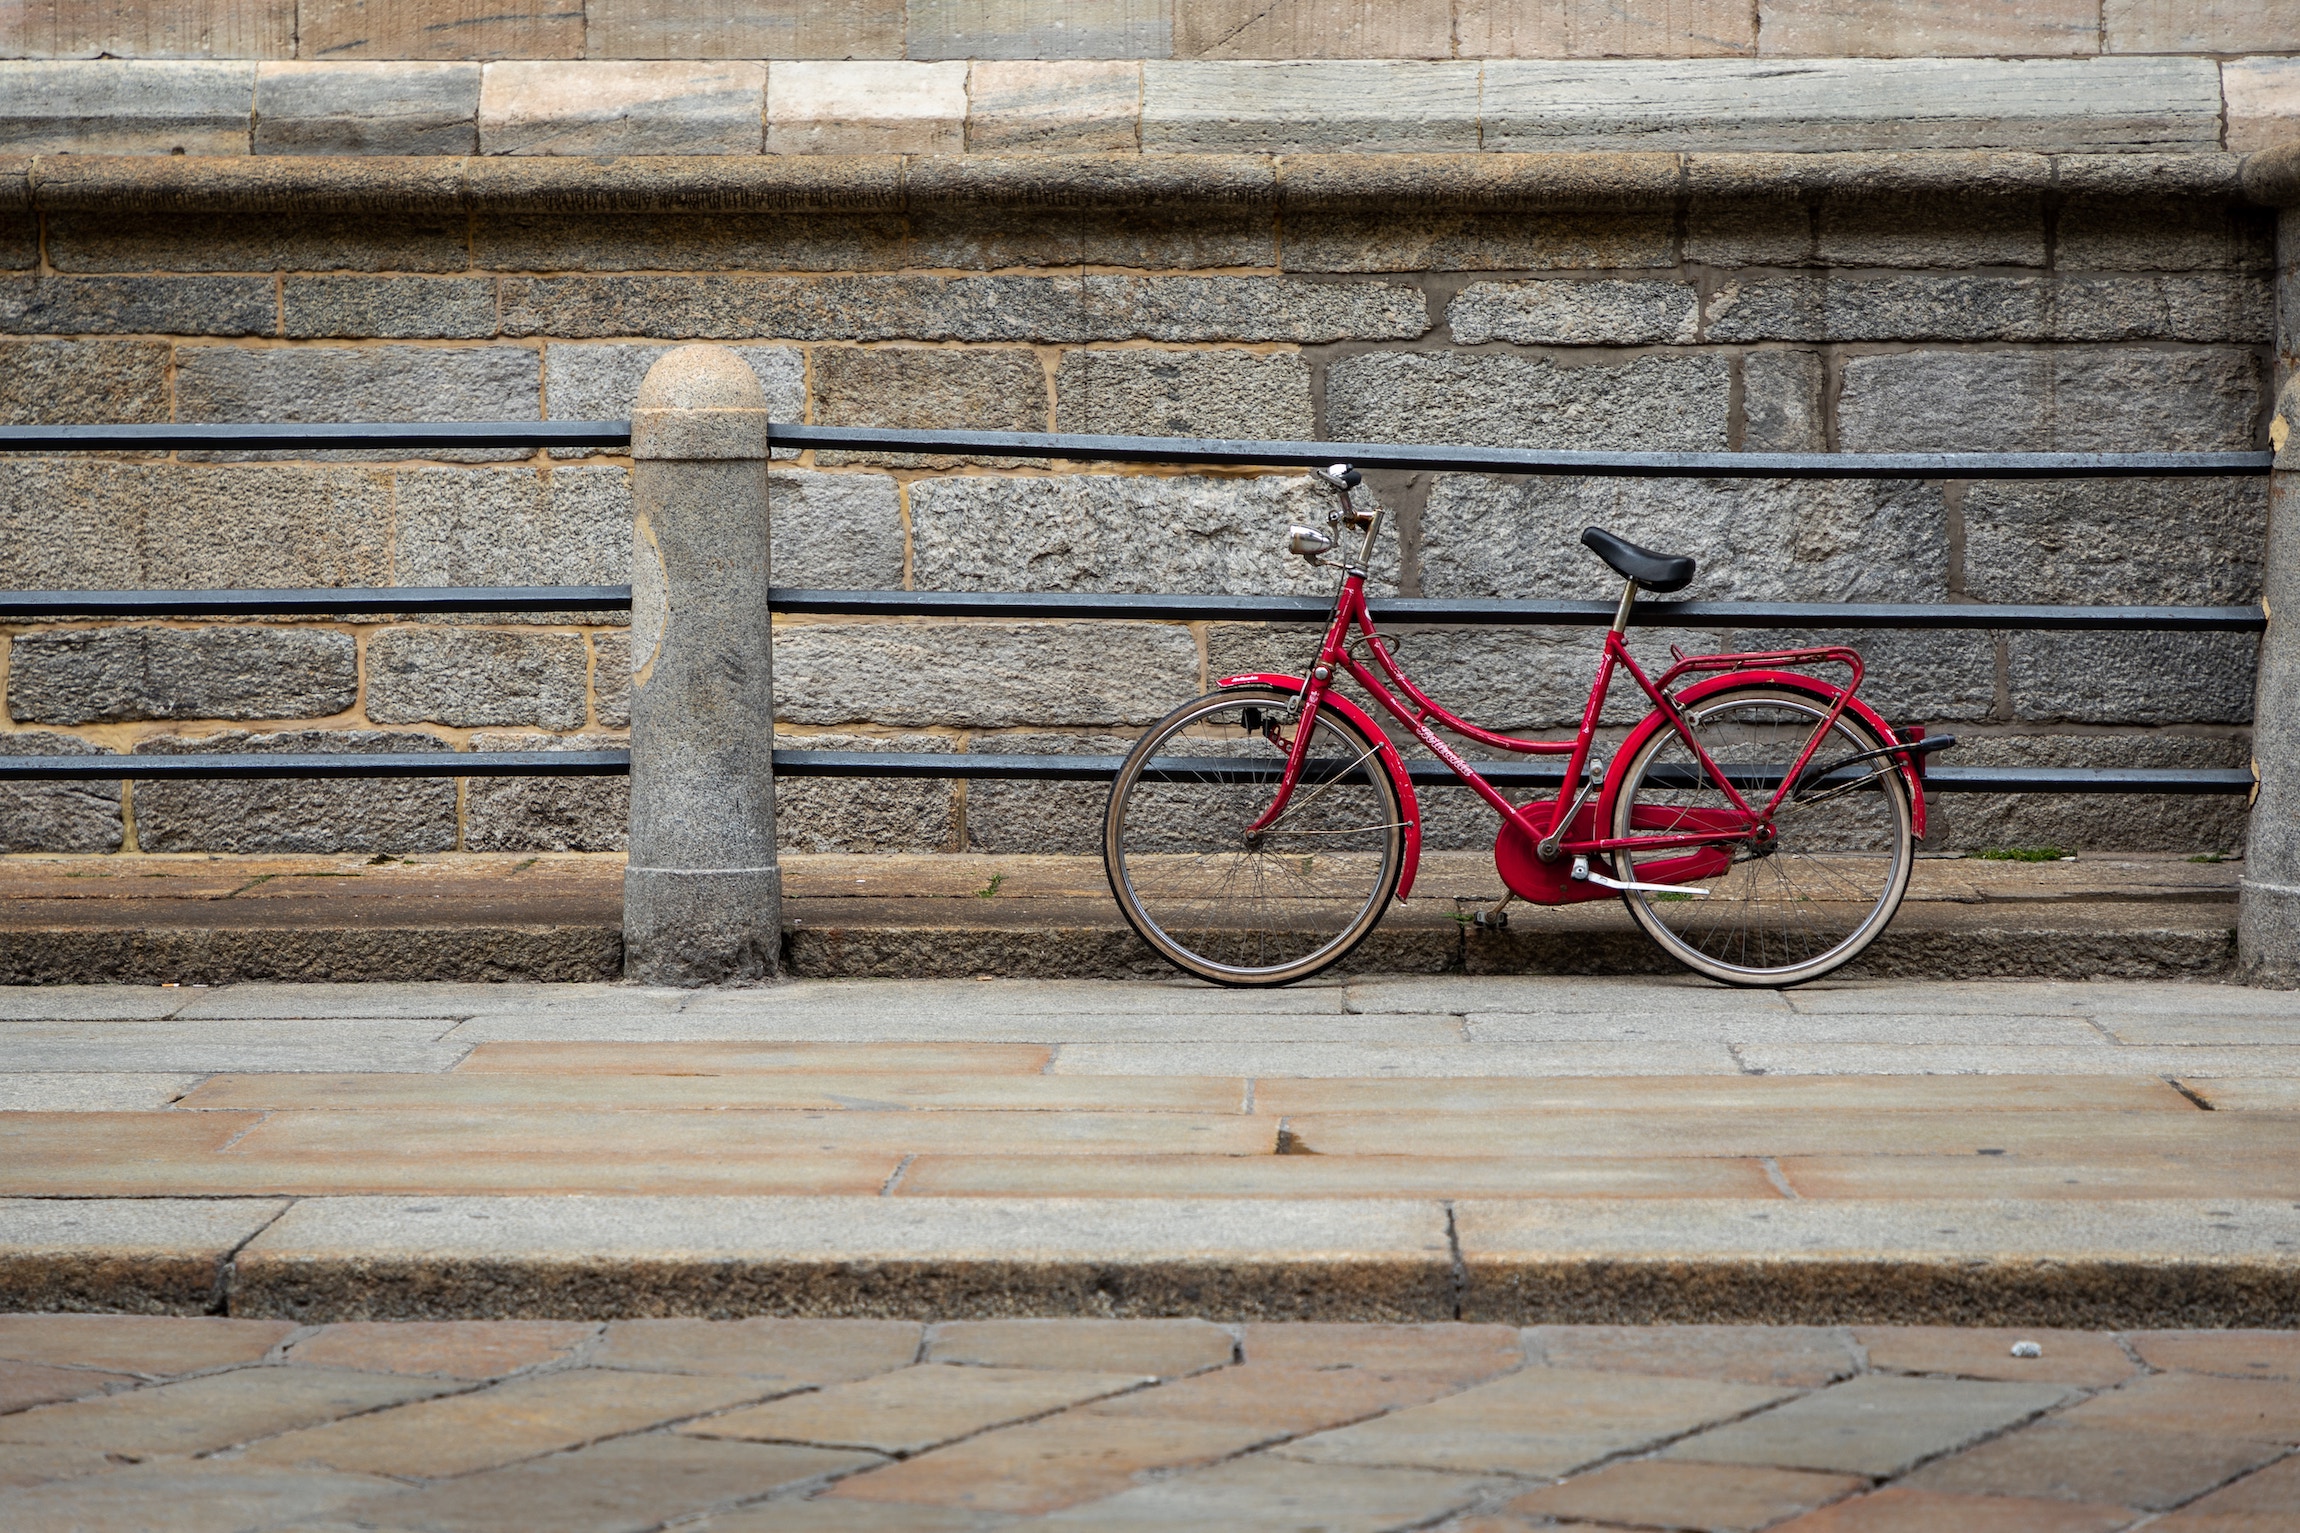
(455, 1349)
(820, 1516)
(442, 999)
(2105, 1172)
(1538, 994)
(1160, 1348)
(369, 1258)
(2085, 1358)
(796, 1351)
(21, 1464)
(2272, 1492)
(1693, 1026)
(91, 1003)
(2259, 1410)
(210, 1497)
(1794, 1355)
(1873, 1426)
(213, 1411)
(1267, 1495)
(914, 1409)
(2193, 1029)
(2236, 1354)
(1222, 1019)
(90, 1091)
(1286, 1398)
(1898, 1509)
(1657, 1493)
(734, 1058)
(2066, 1461)
(1963, 1059)
(123, 1254)
(2246, 1094)
(1463, 1353)
(28, 1384)
(1377, 1060)
(1713, 1094)
(130, 1047)
(598, 1092)
(1313, 1176)
(1052, 1463)
(152, 1346)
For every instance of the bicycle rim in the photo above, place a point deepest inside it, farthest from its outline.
(1269, 911)
(1824, 889)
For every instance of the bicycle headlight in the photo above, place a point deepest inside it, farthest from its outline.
(1308, 542)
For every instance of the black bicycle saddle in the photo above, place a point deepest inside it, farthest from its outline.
(1656, 572)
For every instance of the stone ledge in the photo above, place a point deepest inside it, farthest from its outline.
(139, 185)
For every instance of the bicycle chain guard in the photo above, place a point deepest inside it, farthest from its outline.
(1525, 875)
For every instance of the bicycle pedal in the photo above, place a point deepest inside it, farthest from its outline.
(1491, 920)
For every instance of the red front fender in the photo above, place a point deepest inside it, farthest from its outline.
(1391, 761)
(1797, 681)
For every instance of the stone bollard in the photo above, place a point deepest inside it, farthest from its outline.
(2268, 912)
(702, 895)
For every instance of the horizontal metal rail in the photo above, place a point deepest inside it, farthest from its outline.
(21, 606)
(915, 765)
(1210, 451)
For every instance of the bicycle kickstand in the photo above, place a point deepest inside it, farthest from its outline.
(1496, 919)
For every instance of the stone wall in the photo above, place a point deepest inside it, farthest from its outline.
(2046, 304)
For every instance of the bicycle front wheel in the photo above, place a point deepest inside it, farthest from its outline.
(1241, 909)
(1790, 908)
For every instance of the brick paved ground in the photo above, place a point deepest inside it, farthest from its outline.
(793, 1425)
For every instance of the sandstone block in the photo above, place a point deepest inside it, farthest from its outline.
(1312, 29)
(513, 527)
(601, 382)
(439, 29)
(1184, 393)
(601, 107)
(1023, 106)
(469, 676)
(1756, 540)
(388, 308)
(119, 106)
(400, 815)
(981, 675)
(1039, 819)
(611, 677)
(44, 382)
(2095, 399)
(158, 29)
(112, 675)
(1108, 532)
(400, 107)
(1462, 239)
(546, 814)
(709, 29)
(837, 532)
(2263, 98)
(58, 816)
(1284, 108)
(1041, 29)
(1781, 395)
(1594, 313)
(867, 107)
(106, 242)
(138, 305)
(2133, 678)
(2119, 104)
(381, 383)
(927, 389)
(2194, 26)
(2111, 541)
(1923, 28)
(1677, 402)
(834, 814)
(2117, 234)
(2083, 822)
(1604, 29)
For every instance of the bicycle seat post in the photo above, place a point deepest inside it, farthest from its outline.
(1628, 600)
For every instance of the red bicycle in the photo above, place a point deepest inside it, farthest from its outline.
(1759, 822)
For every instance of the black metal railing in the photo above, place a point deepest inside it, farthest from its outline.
(23, 606)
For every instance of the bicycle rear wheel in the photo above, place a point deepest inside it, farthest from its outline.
(1262, 910)
(1790, 909)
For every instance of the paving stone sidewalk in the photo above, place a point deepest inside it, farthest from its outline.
(877, 1426)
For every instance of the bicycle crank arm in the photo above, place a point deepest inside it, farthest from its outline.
(1581, 871)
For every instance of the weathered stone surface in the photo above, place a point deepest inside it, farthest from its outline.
(2098, 400)
(2156, 234)
(1030, 818)
(1121, 30)
(399, 107)
(1100, 307)
(1309, 29)
(603, 107)
(347, 383)
(1749, 231)
(93, 525)
(138, 305)
(2263, 97)
(1459, 239)
(927, 388)
(249, 242)
(1930, 230)
(2113, 541)
(1020, 106)
(834, 814)
(410, 814)
(1912, 676)
(981, 675)
(2127, 104)
(19, 240)
(513, 527)
(2133, 678)
(439, 29)
(840, 532)
(45, 382)
(1136, 392)
(687, 242)
(1781, 394)
(2190, 307)
(1110, 532)
(611, 677)
(1831, 29)
(1777, 540)
(388, 308)
(601, 382)
(1506, 401)
(709, 29)
(546, 814)
(470, 676)
(58, 816)
(160, 30)
(2193, 26)
(867, 107)
(1598, 313)
(1289, 108)
(117, 106)
(1879, 1424)
(111, 675)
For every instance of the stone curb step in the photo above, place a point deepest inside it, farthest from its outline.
(2130, 103)
(360, 1258)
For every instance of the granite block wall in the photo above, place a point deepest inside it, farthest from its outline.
(2022, 318)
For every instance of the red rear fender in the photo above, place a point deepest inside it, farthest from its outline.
(1392, 762)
